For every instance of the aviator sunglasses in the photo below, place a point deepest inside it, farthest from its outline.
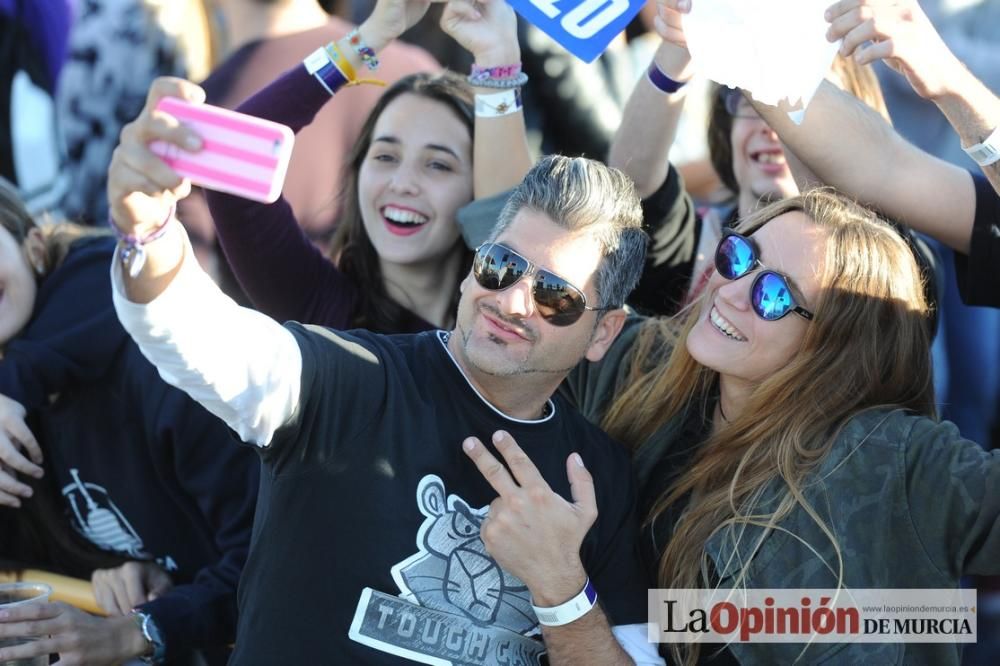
(497, 267)
(770, 295)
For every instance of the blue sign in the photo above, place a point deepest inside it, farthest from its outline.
(583, 27)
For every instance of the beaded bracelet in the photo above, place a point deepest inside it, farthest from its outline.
(661, 81)
(514, 82)
(131, 250)
(480, 74)
(362, 49)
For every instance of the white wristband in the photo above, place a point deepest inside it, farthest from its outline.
(572, 610)
(987, 152)
(497, 105)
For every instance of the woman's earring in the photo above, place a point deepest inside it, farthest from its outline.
(37, 265)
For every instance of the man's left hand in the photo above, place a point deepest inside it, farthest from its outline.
(531, 531)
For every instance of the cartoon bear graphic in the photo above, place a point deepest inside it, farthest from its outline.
(454, 573)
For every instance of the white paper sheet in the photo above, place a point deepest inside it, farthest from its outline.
(776, 49)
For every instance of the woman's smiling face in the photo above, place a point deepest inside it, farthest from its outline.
(415, 176)
(729, 336)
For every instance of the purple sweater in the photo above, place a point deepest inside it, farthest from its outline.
(47, 23)
(282, 272)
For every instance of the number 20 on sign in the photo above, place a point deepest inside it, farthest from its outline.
(583, 27)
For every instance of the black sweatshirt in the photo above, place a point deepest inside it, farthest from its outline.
(144, 470)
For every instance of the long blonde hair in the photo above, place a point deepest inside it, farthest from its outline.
(867, 347)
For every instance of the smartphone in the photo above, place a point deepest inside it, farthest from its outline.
(241, 155)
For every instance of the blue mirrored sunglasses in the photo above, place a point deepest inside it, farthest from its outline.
(770, 294)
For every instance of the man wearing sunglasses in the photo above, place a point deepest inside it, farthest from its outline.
(377, 491)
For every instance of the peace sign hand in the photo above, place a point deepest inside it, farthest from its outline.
(531, 531)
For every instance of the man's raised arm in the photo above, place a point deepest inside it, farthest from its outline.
(241, 365)
(899, 33)
(852, 148)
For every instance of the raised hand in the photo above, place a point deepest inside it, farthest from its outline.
(121, 589)
(673, 57)
(898, 32)
(681, 6)
(141, 187)
(390, 19)
(487, 30)
(19, 453)
(668, 23)
(531, 531)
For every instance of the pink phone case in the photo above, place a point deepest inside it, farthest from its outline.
(240, 154)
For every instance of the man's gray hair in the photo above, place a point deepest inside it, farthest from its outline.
(580, 194)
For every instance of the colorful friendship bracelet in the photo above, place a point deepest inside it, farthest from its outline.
(661, 81)
(362, 49)
(131, 250)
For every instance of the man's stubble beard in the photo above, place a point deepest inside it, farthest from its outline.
(518, 370)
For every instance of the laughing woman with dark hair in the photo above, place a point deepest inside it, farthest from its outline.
(397, 257)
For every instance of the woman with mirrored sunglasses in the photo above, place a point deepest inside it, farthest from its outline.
(784, 429)
(770, 293)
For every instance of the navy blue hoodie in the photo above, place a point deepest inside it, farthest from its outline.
(144, 471)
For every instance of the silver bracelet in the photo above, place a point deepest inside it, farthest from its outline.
(503, 84)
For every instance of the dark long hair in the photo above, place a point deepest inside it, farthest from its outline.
(351, 248)
(39, 535)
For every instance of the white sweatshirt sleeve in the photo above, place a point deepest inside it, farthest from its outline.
(238, 363)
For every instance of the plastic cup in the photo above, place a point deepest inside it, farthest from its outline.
(13, 595)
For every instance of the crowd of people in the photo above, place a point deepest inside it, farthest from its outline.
(450, 401)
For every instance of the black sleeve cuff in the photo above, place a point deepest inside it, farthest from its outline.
(978, 274)
(191, 617)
